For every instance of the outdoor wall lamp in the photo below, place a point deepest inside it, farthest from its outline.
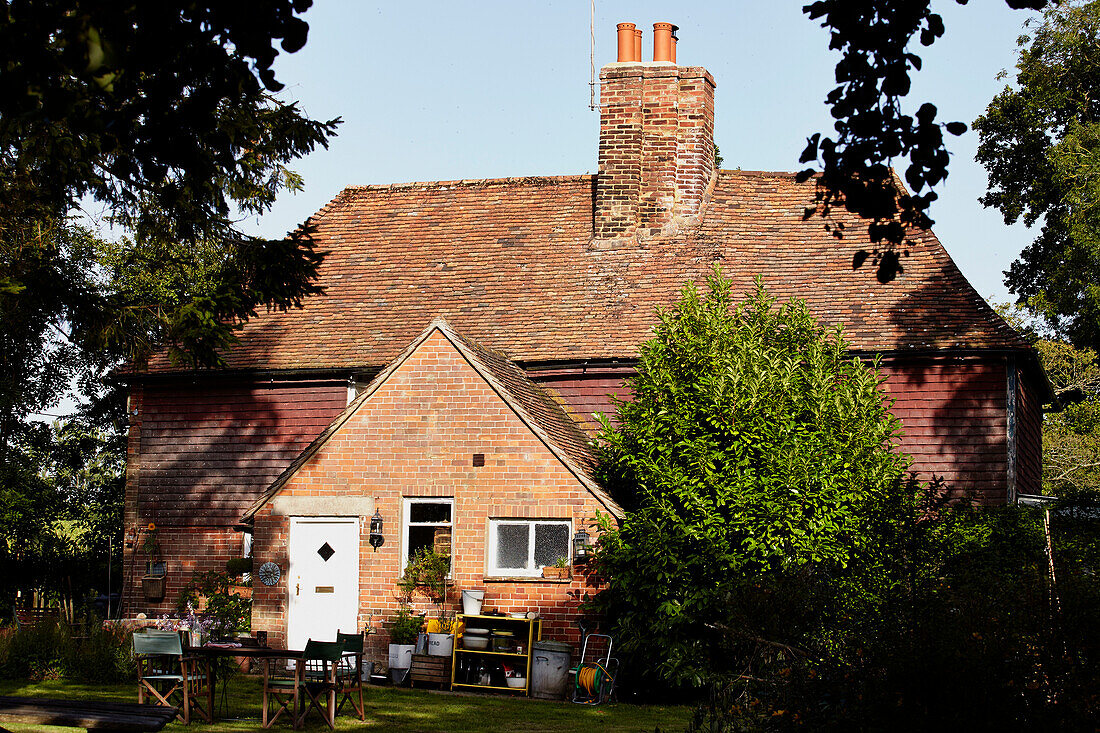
(376, 538)
(582, 546)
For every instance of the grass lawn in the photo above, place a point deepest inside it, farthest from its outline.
(394, 709)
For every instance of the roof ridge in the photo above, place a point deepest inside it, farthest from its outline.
(471, 182)
(776, 174)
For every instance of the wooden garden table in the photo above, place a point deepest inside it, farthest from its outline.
(219, 651)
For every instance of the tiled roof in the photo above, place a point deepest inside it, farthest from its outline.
(511, 263)
(542, 415)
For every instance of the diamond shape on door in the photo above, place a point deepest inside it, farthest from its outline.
(326, 551)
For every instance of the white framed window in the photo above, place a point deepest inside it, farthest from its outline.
(423, 520)
(521, 547)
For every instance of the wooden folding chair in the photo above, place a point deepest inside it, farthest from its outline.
(164, 672)
(281, 687)
(319, 662)
(349, 673)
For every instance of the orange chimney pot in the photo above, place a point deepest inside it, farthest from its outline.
(662, 42)
(638, 44)
(626, 41)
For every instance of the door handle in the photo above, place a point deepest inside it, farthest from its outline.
(297, 588)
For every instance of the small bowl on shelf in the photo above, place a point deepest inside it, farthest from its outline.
(516, 681)
(476, 643)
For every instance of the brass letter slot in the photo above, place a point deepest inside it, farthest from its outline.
(323, 589)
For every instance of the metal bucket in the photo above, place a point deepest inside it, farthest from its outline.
(400, 660)
(471, 601)
(550, 669)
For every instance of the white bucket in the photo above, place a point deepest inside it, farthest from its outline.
(441, 645)
(471, 601)
(401, 656)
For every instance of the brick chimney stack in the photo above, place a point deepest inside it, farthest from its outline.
(656, 138)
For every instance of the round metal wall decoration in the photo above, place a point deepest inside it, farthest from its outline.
(269, 573)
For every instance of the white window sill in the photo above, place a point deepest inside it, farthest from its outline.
(525, 579)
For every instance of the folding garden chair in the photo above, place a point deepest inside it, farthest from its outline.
(281, 688)
(164, 672)
(319, 663)
(349, 673)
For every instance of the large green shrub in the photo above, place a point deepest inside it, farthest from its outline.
(774, 554)
(752, 459)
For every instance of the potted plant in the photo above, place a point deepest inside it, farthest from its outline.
(404, 629)
(152, 583)
(240, 574)
(426, 573)
(558, 571)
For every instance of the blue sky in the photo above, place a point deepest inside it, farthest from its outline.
(441, 91)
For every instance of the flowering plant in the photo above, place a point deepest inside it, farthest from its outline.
(191, 622)
(151, 545)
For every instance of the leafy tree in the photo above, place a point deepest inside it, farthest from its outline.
(164, 112)
(872, 130)
(1040, 143)
(161, 110)
(40, 264)
(1071, 436)
(751, 457)
(61, 495)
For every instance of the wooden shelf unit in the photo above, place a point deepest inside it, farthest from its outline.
(527, 632)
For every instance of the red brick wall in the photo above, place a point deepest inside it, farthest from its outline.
(200, 451)
(656, 146)
(415, 436)
(952, 413)
(187, 550)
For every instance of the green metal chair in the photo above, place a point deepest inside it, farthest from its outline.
(349, 673)
(319, 662)
(164, 672)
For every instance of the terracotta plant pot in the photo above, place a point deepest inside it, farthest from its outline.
(551, 572)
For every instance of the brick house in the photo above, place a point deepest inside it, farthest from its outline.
(478, 425)
(447, 431)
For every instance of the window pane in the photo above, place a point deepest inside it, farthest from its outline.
(551, 542)
(512, 546)
(421, 537)
(430, 512)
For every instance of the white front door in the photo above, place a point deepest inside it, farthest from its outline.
(323, 578)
